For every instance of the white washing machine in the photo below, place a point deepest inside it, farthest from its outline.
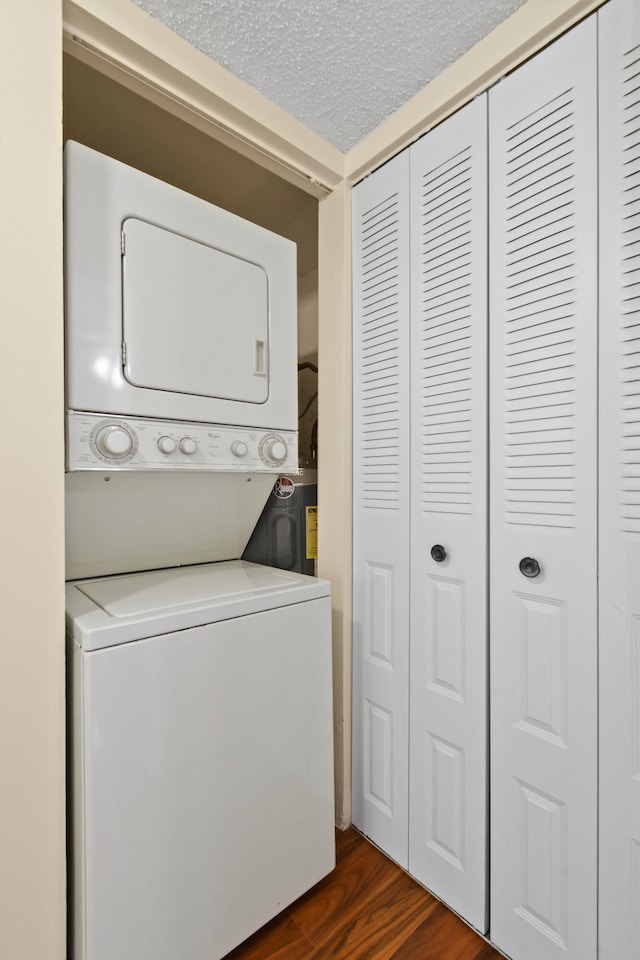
(202, 796)
(201, 718)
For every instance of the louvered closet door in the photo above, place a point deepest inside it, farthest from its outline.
(381, 507)
(620, 481)
(448, 649)
(543, 372)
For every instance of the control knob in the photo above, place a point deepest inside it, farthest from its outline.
(166, 444)
(188, 445)
(239, 448)
(114, 441)
(273, 450)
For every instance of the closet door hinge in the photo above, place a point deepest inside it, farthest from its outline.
(124, 354)
(122, 243)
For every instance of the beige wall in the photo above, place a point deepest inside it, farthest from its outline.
(308, 313)
(32, 880)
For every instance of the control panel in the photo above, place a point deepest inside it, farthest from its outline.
(101, 442)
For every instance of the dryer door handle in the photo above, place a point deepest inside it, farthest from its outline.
(260, 357)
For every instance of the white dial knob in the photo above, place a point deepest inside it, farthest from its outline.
(239, 448)
(166, 444)
(274, 450)
(114, 441)
(188, 445)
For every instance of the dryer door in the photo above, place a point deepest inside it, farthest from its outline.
(195, 319)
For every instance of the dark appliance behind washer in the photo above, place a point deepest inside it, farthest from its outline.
(280, 535)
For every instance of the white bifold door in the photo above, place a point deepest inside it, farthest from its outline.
(527, 200)
(419, 589)
(619, 61)
(381, 508)
(543, 504)
(448, 543)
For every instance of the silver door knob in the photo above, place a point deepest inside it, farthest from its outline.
(529, 567)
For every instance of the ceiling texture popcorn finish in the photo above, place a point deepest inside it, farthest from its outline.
(341, 67)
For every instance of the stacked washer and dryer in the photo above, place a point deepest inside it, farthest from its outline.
(200, 730)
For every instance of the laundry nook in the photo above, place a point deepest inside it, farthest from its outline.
(321, 480)
(200, 684)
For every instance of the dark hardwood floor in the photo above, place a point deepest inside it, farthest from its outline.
(367, 909)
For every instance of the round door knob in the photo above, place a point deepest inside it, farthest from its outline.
(239, 448)
(188, 445)
(114, 442)
(438, 552)
(529, 567)
(274, 450)
(166, 444)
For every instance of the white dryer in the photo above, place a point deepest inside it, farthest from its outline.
(174, 308)
(202, 796)
(181, 370)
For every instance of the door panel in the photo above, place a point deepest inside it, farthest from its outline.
(381, 508)
(619, 80)
(543, 373)
(447, 811)
(541, 637)
(542, 893)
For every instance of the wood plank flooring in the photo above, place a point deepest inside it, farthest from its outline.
(367, 909)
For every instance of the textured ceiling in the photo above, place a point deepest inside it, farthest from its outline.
(339, 66)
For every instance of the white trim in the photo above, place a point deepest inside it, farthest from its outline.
(334, 467)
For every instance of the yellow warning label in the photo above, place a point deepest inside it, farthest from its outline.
(312, 533)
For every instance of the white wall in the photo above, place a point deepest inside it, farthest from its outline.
(32, 880)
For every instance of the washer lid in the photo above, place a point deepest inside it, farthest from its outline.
(114, 610)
